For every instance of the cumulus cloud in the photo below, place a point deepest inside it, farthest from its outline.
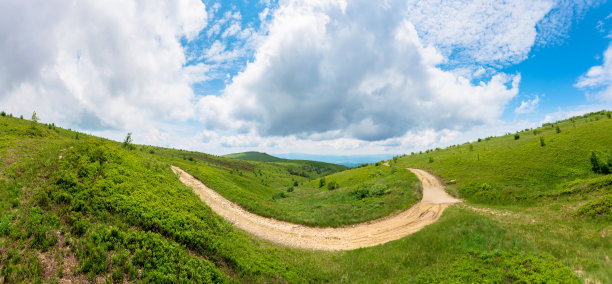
(598, 80)
(99, 64)
(484, 31)
(527, 106)
(362, 68)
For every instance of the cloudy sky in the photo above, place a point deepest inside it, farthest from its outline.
(319, 76)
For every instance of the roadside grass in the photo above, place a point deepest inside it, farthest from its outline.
(269, 190)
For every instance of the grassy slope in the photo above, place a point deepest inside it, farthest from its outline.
(129, 214)
(541, 189)
(286, 191)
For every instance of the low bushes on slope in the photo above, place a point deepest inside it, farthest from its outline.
(502, 267)
(598, 208)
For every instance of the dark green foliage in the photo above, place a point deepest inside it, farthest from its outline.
(2, 113)
(290, 189)
(517, 136)
(502, 267)
(598, 208)
(431, 160)
(557, 129)
(332, 185)
(322, 182)
(600, 166)
(366, 190)
(542, 143)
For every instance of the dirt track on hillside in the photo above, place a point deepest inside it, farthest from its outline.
(372, 233)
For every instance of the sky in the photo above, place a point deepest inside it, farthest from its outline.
(318, 77)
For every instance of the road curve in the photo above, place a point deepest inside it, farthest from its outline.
(371, 233)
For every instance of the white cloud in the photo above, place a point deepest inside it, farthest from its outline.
(99, 64)
(355, 69)
(598, 80)
(527, 106)
(488, 32)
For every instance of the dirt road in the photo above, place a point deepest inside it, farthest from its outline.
(372, 233)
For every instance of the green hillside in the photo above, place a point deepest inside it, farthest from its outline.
(544, 179)
(253, 156)
(82, 208)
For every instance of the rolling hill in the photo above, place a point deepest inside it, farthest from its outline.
(83, 208)
(254, 156)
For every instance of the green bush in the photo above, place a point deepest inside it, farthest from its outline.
(516, 136)
(322, 182)
(366, 190)
(332, 185)
(598, 208)
(502, 267)
(600, 166)
(542, 143)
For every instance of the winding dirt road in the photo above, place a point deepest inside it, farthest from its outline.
(372, 233)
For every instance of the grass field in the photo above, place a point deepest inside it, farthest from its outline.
(550, 194)
(86, 208)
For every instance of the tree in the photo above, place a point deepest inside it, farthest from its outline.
(34, 119)
(127, 143)
(322, 182)
(558, 129)
(542, 141)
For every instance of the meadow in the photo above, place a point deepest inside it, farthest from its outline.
(79, 207)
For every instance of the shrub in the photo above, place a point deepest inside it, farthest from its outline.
(600, 167)
(279, 195)
(295, 183)
(290, 189)
(321, 182)
(2, 113)
(431, 159)
(542, 143)
(598, 208)
(501, 267)
(332, 185)
(365, 190)
(516, 136)
(557, 129)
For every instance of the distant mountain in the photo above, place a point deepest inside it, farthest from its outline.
(346, 160)
(254, 156)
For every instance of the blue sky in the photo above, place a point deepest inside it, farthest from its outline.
(331, 77)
